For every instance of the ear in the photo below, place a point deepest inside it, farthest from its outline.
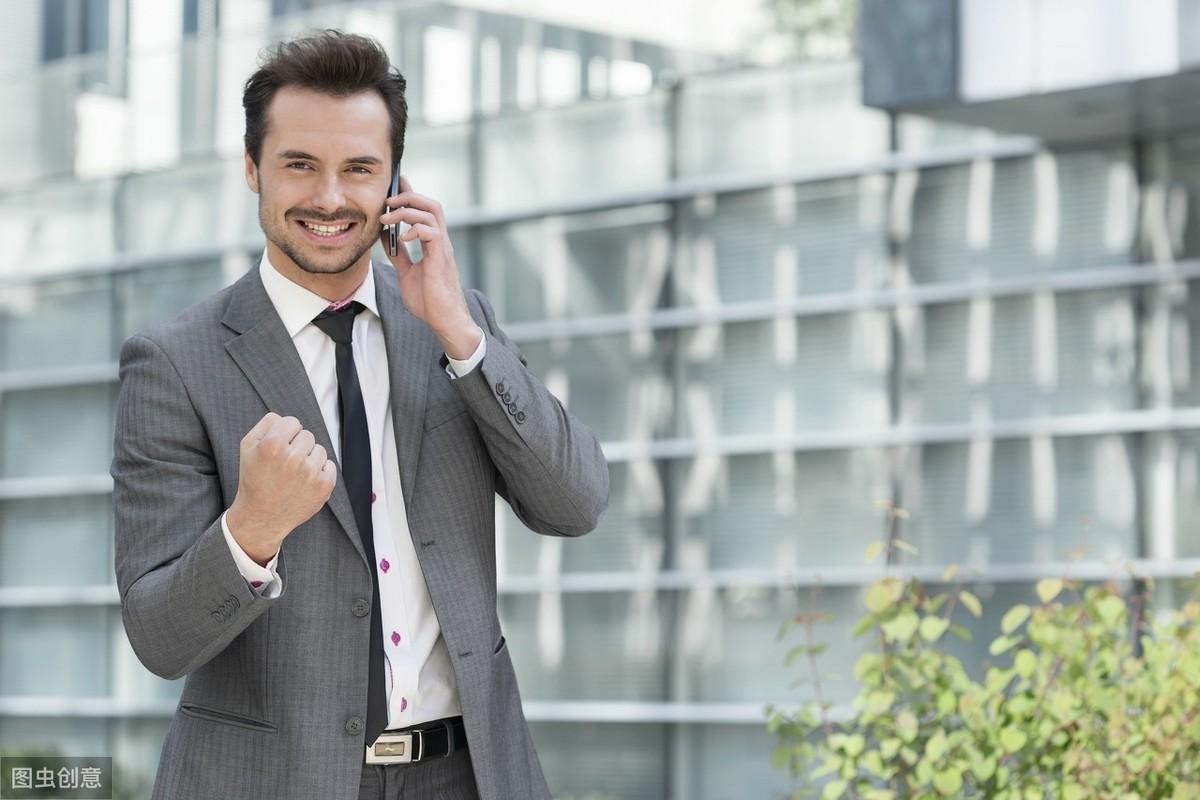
(251, 172)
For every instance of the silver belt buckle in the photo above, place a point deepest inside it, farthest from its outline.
(395, 748)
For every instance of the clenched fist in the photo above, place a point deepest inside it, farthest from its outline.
(283, 480)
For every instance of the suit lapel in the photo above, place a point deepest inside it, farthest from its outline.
(268, 357)
(412, 349)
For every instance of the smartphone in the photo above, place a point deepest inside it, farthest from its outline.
(394, 230)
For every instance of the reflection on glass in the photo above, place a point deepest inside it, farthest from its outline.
(786, 375)
(77, 637)
(587, 646)
(592, 760)
(629, 538)
(1023, 500)
(782, 243)
(36, 532)
(801, 510)
(81, 415)
(611, 262)
(56, 323)
(1024, 356)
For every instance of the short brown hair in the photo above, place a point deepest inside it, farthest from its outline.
(332, 62)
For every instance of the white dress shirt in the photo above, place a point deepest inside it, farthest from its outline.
(419, 678)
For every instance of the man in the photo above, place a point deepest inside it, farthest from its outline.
(304, 476)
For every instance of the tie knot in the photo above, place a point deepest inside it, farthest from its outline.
(338, 321)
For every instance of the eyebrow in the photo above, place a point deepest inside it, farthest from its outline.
(293, 154)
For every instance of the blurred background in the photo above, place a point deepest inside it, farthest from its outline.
(816, 271)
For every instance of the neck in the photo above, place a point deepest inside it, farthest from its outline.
(331, 286)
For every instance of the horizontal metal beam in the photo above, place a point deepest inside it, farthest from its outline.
(616, 711)
(1092, 424)
(672, 191)
(680, 318)
(833, 577)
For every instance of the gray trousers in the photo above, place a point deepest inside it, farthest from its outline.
(449, 778)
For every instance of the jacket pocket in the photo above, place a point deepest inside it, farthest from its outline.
(226, 717)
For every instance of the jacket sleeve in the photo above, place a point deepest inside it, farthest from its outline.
(549, 465)
(182, 597)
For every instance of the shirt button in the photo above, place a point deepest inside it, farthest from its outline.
(354, 725)
(360, 608)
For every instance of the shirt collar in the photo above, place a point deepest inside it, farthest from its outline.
(297, 306)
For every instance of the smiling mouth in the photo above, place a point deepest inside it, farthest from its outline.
(330, 232)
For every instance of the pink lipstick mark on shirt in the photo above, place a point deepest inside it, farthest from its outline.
(384, 565)
(403, 703)
(395, 638)
(340, 304)
(256, 584)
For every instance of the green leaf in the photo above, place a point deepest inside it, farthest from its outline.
(906, 725)
(876, 703)
(1025, 662)
(888, 748)
(883, 594)
(874, 549)
(932, 628)
(936, 747)
(1073, 791)
(834, 789)
(803, 650)
(961, 632)
(1014, 618)
(950, 573)
(1013, 739)
(983, 768)
(948, 783)
(865, 624)
(900, 544)
(971, 602)
(1110, 609)
(901, 628)
(1003, 644)
(1049, 588)
(853, 746)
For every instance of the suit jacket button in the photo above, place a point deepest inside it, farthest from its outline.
(508, 397)
(354, 725)
(500, 388)
(520, 417)
(512, 408)
(360, 608)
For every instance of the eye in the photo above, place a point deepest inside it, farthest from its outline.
(361, 170)
(297, 164)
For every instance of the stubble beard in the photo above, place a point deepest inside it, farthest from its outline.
(283, 239)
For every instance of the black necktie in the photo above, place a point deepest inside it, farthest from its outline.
(356, 471)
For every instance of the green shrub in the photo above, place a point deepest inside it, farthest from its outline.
(1071, 709)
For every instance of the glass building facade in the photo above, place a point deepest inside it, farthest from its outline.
(783, 313)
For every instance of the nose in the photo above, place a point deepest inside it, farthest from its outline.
(329, 195)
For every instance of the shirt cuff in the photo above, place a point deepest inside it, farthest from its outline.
(458, 368)
(263, 580)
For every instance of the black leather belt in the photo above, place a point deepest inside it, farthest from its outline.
(418, 742)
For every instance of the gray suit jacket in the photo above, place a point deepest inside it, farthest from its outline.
(276, 692)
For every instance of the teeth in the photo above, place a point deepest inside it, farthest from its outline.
(325, 230)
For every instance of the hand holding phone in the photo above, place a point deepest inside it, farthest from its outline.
(394, 228)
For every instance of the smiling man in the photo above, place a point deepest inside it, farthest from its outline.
(305, 467)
